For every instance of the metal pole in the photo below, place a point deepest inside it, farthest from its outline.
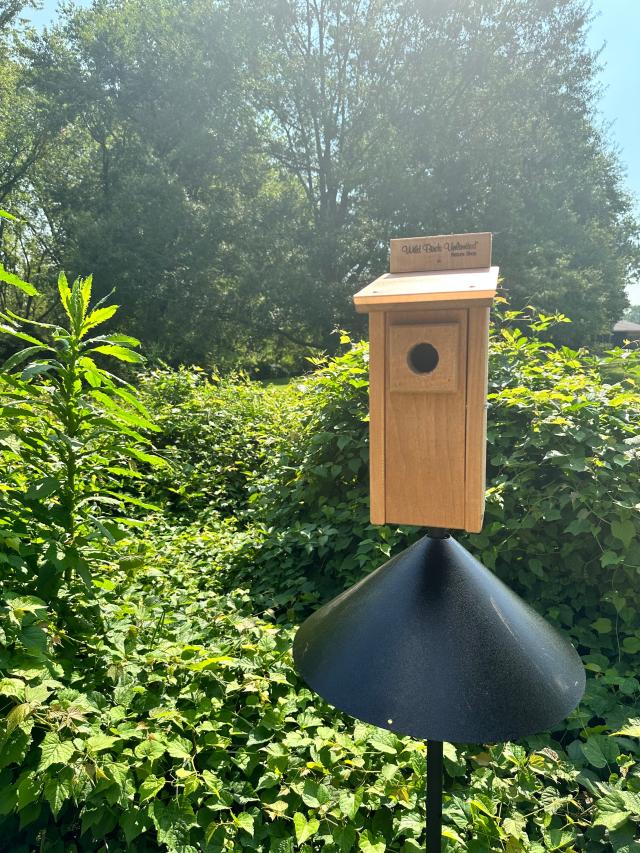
(434, 796)
(434, 764)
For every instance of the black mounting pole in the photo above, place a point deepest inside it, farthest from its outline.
(434, 765)
(434, 796)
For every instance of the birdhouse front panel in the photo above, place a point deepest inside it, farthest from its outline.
(425, 417)
(428, 383)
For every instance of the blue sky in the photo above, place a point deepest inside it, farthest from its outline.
(616, 29)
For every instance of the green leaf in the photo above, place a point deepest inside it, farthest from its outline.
(179, 748)
(624, 531)
(85, 292)
(12, 687)
(149, 458)
(631, 645)
(314, 794)
(100, 742)
(151, 786)
(128, 417)
(11, 278)
(349, 802)
(119, 352)
(611, 811)
(37, 694)
(57, 789)
(344, 837)
(151, 749)
(448, 832)
(54, 751)
(133, 822)
(384, 741)
(20, 604)
(600, 751)
(602, 626)
(172, 822)
(370, 843)
(37, 368)
(304, 829)
(27, 789)
(100, 315)
(117, 772)
(18, 715)
(113, 339)
(65, 294)
(20, 356)
(557, 839)
(43, 488)
(631, 729)
(245, 821)
(14, 746)
(16, 333)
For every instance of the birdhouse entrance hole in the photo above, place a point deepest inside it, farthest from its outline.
(423, 358)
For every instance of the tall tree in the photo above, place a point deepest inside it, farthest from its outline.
(414, 117)
(27, 127)
(235, 168)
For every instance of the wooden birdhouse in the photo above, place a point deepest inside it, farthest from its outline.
(428, 356)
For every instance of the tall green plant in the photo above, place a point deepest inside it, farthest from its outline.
(72, 433)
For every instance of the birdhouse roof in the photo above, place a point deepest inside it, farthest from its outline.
(402, 290)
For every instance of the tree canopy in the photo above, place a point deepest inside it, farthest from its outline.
(235, 168)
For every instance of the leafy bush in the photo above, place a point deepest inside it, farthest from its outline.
(199, 736)
(218, 434)
(182, 726)
(563, 474)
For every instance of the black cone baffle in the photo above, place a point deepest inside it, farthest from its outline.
(433, 645)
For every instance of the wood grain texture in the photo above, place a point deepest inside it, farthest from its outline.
(390, 290)
(443, 252)
(444, 338)
(424, 441)
(476, 429)
(419, 306)
(377, 346)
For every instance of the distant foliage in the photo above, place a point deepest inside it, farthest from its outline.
(317, 131)
(217, 433)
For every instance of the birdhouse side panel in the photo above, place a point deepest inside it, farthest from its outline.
(476, 429)
(377, 328)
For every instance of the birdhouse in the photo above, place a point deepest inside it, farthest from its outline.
(428, 357)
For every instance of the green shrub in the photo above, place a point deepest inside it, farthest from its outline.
(563, 476)
(563, 520)
(217, 433)
(181, 724)
(199, 736)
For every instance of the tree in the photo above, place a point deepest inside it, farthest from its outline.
(409, 117)
(246, 163)
(633, 314)
(27, 128)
